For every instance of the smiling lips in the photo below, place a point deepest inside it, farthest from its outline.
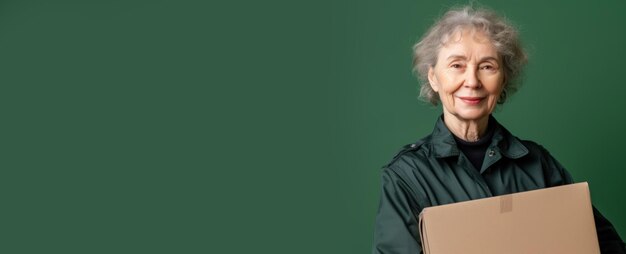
(472, 100)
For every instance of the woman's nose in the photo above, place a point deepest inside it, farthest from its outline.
(471, 78)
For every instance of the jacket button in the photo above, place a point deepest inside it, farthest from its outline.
(492, 153)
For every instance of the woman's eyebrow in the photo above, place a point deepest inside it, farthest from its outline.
(461, 57)
(487, 58)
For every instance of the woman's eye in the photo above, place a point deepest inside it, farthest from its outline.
(455, 66)
(487, 67)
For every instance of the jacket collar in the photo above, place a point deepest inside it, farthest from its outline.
(503, 142)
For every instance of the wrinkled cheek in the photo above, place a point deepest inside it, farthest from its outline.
(447, 100)
(450, 99)
(492, 103)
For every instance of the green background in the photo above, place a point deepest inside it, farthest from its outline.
(261, 126)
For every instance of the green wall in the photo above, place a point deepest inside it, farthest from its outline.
(261, 126)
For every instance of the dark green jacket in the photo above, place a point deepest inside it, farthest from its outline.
(434, 172)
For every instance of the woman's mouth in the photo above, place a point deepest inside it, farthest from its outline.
(471, 100)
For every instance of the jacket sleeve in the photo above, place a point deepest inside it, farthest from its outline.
(610, 242)
(396, 227)
(608, 238)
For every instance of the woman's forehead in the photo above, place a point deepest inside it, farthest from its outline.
(467, 43)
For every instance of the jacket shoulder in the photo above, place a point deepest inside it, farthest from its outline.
(410, 148)
(536, 152)
(533, 147)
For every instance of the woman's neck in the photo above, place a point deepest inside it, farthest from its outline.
(468, 130)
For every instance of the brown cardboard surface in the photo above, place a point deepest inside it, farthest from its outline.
(551, 221)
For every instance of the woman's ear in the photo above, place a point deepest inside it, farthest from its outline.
(432, 79)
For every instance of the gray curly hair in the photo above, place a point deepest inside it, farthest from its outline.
(500, 32)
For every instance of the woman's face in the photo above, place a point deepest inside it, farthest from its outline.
(467, 76)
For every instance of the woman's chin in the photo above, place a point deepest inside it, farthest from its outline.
(472, 115)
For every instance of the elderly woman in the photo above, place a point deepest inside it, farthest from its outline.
(469, 61)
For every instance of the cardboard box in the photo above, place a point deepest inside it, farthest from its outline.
(552, 221)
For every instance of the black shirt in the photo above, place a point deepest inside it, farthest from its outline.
(475, 151)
